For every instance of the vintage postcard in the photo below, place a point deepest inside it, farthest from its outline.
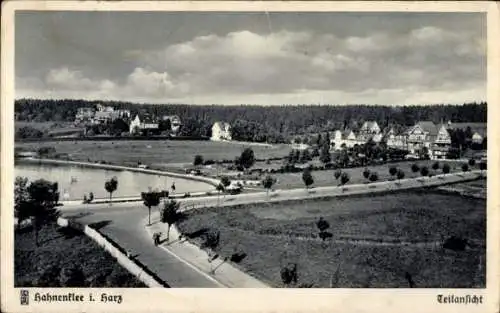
(250, 156)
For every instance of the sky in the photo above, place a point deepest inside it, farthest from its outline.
(252, 57)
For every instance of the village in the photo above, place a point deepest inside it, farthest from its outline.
(424, 139)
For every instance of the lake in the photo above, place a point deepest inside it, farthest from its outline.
(76, 181)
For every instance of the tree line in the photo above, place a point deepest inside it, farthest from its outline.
(271, 124)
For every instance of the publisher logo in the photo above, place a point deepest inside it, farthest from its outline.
(25, 297)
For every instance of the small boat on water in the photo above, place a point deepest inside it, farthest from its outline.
(73, 179)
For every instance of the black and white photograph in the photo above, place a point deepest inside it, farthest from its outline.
(249, 149)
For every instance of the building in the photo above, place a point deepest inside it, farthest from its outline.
(396, 138)
(175, 122)
(346, 138)
(442, 144)
(143, 123)
(426, 134)
(84, 115)
(102, 108)
(369, 127)
(221, 131)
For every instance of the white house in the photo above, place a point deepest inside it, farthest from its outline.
(427, 134)
(84, 115)
(397, 140)
(221, 131)
(370, 127)
(144, 123)
(441, 145)
(346, 137)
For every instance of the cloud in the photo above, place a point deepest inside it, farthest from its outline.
(426, 64)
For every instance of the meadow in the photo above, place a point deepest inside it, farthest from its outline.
(327, 178)
(44, 266)
(376, 240)
(154, 153)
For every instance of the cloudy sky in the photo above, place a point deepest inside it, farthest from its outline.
(252, 58)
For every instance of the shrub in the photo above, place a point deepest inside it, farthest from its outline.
(393, 170)
(307, 178)
(415, 168)
(446, 168)
(482, 166)
(472, 162)
(198, 160)
(366, 173)
(344, 179)
(435, 166)
(424, 171)
(337, 174)
(465, 167)
(400, 174)
(373, 177)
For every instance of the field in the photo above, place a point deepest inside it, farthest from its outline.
(43, 126)
(327, 178)
(376, 240)
(156, 153)
(41, 266)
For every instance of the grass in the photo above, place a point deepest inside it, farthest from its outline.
(274, 234)
(63, 250)
(154, 152)
(327, 178)
(43, 126)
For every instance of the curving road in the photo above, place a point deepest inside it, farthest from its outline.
(126, 221)
(126, 228)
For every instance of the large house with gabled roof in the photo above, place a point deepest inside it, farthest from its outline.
(426, 134)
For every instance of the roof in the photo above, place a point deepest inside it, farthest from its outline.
(147, 119)
(429, 127)
(370, 124)
(346, 132)
(222, 124)
(102, 114)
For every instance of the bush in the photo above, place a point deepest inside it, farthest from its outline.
(401, 174)
(198, 160)
(435, 166)
(366, 173)
(472, 162)
(465, 167)
(373, 177)
(446, 168)
(415, 168)
(344, 179)
(424, 171)
(393, 170)
(482, 166)
(337, 174)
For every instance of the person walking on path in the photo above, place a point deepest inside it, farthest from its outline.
(156, 238)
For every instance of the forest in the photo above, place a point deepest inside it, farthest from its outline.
(271, 124)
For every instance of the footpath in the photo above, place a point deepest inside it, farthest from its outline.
(223, 272)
